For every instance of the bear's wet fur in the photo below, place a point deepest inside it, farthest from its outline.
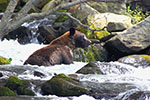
(59, 51)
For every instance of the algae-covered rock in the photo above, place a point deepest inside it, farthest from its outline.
(5, 60)
(4, 91)
(19, 86)
(62, 85)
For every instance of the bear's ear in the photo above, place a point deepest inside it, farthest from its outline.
(72, 31)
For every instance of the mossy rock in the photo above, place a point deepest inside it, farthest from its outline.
(91, 54)
(62, 85)
(19, 86)
(5, 60)
(4, 91)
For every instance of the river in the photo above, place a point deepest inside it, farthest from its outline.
(114, 73)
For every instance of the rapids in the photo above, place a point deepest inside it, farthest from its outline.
(140, 77)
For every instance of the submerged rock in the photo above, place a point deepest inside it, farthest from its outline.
(62, 85)
(136, 60)
(4, 91)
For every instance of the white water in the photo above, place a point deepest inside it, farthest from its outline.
(19, 53)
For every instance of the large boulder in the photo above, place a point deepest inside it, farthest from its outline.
(62, 85)
(134, 40)
(114, 22)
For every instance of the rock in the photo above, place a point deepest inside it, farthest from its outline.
(133, 40)
(112, 7)
(120, 22)
(105, 68)
(1, 74)
(107, 90)
(46, 34)
(22, 34)
(83, 12)
(62, 85)
(4, 91)
(21, 87)
(136, 60)
(90, 68)
(38, 74)
(91, 54)
(133, 95)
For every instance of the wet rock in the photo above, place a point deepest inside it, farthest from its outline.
(1, 74)
(136, 60)
(39, 74)
(62, 85)
(105, 68)
(107, 90)
(22, 34)
(19, 86)
(4, 91)
(131, 41)
(90, 68)
(133, 94)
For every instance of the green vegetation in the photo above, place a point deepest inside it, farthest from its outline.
(136, 14)
(62, 18)
(5, 60)
(62, 76)
(4, 91)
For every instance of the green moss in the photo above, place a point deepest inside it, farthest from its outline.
(62, 18)
(5, 61)
(62, 76)
(62, 87)
(4, 91)
(13, 83)
(19, 86)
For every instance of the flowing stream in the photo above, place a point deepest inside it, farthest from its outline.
(140, 77)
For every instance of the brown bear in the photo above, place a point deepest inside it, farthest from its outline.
(59, 51)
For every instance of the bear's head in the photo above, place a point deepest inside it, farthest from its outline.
(79, 38)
